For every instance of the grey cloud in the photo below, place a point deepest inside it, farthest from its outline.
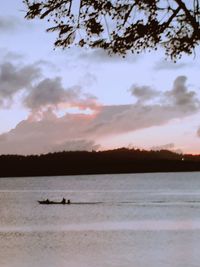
(12, 25)
(168, 65)
(198, 132)
(8, 24)
(14, 79)
(50, 92)
(178, 103)
(12, 56)
(3, 137)
(181, 96)
(111, 120)
(100, 55)
(38, 93)
(143, 93)
(47, 92)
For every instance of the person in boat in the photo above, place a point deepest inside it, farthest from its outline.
(68, 201)
(47, 201)
(63, 201)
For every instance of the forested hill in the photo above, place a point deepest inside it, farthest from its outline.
(103, 162)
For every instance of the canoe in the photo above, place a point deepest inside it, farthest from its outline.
(45, 202)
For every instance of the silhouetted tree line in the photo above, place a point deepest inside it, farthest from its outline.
(120, 160)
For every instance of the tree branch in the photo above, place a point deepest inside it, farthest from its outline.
(49, 10)
(128, 14)
(70, 6)
(172, 17)
(194, 23)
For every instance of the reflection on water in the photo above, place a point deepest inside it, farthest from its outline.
(143, 220)
(109, 226)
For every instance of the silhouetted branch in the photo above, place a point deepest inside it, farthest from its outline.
(192, 19)
(132, 25)
(128, 14)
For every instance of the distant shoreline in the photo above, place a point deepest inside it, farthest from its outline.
(116, 161)
(91, 174)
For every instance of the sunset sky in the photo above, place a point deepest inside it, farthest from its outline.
(78, 99)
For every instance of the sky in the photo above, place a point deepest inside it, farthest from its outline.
(79, 99)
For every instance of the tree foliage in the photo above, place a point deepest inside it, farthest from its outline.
(119, 26)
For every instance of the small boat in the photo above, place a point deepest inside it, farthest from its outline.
(49, 202)
(64, 202)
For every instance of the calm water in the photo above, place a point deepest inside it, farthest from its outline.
(143, 220)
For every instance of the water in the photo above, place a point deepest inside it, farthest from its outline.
(142, 220)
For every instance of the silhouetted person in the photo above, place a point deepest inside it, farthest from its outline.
(68, 201)
(47, 201)
(63, 201)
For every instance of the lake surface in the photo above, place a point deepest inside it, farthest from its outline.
(143, 220)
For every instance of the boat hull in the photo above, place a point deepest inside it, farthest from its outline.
(51, 203)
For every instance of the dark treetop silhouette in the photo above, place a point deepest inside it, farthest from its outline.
(119, 26)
